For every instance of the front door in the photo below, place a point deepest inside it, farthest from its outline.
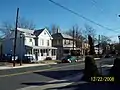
(36, 53)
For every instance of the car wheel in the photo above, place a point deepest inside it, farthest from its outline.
(69, 61)
(76, 60)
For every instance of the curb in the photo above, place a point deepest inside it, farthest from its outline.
(23, 66)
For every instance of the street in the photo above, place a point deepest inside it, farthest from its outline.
(40, 75)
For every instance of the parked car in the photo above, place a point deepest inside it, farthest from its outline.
(28, 59)
(10, 57)
(69, 59)
(108, 56)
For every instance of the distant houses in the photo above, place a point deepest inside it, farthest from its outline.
(41, 44)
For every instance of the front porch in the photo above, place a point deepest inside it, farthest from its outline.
(67, 51)
(41, 52)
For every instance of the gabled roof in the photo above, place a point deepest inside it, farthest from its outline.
(66, 36)
(61, 35)
(25, 30)
(38, 32)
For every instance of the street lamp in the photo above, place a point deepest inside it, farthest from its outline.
(21, 35)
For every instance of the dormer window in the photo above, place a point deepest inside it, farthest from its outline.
(30, 40)
(45, 33)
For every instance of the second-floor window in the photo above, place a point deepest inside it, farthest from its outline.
(42, 42)
(48, 43)
(69, 42)
(65, 42)
(30, 40)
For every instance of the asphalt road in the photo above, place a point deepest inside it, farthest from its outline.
(18, 78)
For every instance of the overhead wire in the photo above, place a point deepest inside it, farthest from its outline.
(81, 16)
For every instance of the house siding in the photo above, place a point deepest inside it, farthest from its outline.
(45, 38)
(8, 46)
(28, 43)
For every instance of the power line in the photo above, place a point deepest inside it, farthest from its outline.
(95, 2)
(81, 16)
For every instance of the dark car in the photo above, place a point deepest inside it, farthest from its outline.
(69, 59)
(28, 59)
(108, 56)
(10, 57)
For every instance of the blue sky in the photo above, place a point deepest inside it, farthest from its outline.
(44, 13)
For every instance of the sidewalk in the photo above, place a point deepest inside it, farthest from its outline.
(10, 66)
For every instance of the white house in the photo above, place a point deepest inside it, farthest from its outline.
(37, 43)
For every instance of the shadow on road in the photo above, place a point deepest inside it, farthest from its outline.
(45, 83)
(59, 74)
(88, 86)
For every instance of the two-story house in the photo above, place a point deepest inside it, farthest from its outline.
(64, 44)
(37, 43)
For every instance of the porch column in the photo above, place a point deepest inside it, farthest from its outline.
(32, 51)
(49, 52)
(40, 52)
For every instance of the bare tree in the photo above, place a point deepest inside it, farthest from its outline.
(105, 42)
(89, 31)
(54, 29)
(22, 23)
(77, 35)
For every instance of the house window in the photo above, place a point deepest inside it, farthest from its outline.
(53, 52)
(30, 40)
(42, 42)
(47, 42)
(66, 51)
(57, 42)
(65, 42)
(45, 33)
(69, 42)
(47, 52)
(41, 52)
(29, 51)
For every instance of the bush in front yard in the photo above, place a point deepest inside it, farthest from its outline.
(90, 69)
(48, 58)
(115, 70)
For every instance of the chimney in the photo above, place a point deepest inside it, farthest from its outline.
(58, 30)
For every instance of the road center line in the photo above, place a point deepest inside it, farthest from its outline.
(53, 68)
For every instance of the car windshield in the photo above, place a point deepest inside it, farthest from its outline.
(68, 56)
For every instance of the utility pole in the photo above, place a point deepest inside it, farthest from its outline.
(15, 36)
(98, 44)
(76, 39)
(73, 37)
(99, 53)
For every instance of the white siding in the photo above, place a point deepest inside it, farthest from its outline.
(28, 42)
(68, 45)
(44, 37)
